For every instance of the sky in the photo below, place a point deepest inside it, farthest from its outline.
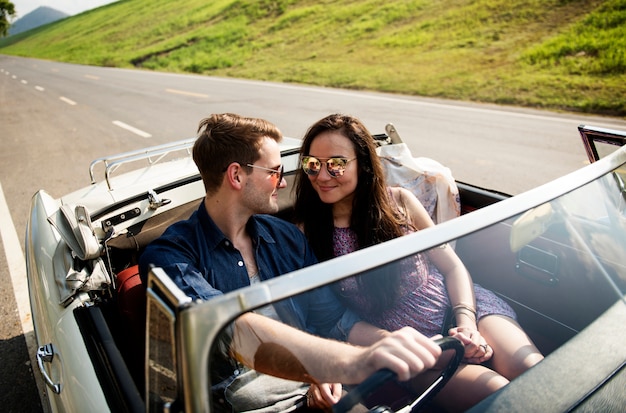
(71, 7)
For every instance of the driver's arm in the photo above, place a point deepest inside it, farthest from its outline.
(365, 334)
(274, 348)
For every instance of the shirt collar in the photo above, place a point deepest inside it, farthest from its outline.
(256, 227)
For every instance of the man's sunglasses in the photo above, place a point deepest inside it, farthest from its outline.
(274, 172)
(335, 166)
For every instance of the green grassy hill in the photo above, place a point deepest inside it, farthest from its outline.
(558, 54)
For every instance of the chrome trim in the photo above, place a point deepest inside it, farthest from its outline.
(153, 154)
(45, 354)
(155, 201)
(162, 282)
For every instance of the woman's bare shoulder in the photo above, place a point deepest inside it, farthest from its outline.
(400, 193)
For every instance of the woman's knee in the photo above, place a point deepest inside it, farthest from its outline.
(513, 351)
(471, 384)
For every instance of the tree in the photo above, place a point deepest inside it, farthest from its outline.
(7, 10)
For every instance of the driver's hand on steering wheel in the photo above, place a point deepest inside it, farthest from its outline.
(477, 350)
(323, 396)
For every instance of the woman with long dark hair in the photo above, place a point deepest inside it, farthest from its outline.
(343, 204)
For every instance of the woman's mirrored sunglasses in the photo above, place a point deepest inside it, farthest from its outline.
(274, 172)
(335, 166)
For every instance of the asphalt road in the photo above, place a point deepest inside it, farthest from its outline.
(56, 118)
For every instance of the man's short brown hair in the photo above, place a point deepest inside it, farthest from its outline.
(226, 138)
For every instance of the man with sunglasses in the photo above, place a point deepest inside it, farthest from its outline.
(232, 241)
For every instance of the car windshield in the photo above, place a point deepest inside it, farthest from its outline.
(559, 265)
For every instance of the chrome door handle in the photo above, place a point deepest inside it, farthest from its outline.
(45, 354)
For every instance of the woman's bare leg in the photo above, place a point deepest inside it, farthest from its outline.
(513, 351)
(470, 384)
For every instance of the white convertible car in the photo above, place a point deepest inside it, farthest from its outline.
(109, 343)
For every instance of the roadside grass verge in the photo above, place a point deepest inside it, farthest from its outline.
(564, 55)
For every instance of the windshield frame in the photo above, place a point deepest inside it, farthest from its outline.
(600, 141)
(198, 325)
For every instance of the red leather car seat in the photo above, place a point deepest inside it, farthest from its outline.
(131, 302)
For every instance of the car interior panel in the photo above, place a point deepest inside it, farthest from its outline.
(595, 378)
(550, 287)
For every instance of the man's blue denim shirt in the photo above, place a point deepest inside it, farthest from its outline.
(203, 263)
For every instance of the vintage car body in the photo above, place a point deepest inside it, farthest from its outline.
(554, 253)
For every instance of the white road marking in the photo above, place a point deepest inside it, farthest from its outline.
(183, 92)
(24, 81)
(68, 101)
(132, 129)
(39, 88)
(16, 263)
(92, 77)
(17, 271)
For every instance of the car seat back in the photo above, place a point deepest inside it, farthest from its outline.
(431, 182)
(131, 305)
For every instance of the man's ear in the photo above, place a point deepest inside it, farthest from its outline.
(233, 175)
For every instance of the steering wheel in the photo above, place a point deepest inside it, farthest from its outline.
(367, 387)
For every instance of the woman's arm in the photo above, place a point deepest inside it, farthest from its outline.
(458, 281)
(458, 284)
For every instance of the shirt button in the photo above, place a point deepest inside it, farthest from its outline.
(240, 263)
(227, 243)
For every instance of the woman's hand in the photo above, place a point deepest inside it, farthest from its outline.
(477, 350)
(323, 396)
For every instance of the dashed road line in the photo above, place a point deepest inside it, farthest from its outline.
(132, 129)
(68, 101)
(184, 92)
(115, 122)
